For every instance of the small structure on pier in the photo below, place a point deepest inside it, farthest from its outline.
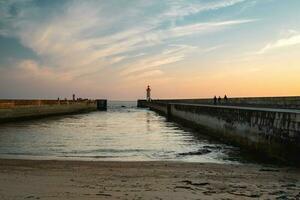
(148, 96)
(101, 104)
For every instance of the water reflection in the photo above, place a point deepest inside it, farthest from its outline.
(148, 121)
(122, 133)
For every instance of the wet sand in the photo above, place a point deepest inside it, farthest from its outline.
(28, 179)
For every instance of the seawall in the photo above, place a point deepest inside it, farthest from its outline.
(291, 102)
(274, 132)
(12, 110)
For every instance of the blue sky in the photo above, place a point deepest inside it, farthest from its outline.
(182, 48)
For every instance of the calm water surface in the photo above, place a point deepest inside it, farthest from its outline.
(123, 133)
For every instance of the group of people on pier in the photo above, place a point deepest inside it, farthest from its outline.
(219, 99)
(216, 100)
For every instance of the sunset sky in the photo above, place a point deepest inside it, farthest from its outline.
(183, 48)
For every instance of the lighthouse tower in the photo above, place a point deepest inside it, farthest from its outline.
(148, 96)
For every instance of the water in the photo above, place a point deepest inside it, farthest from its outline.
(123, 133)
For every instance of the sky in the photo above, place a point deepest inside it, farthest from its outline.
(181, 48)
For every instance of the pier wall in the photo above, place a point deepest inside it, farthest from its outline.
(11, 110)
(270, 131)
(292, 102)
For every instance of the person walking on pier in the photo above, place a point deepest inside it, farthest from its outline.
(148, 90)
(215, 100)
(219, 100)
(225, 98)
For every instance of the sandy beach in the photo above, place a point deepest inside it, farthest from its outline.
(33, 179)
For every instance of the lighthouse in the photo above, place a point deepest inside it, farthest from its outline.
(148, 91)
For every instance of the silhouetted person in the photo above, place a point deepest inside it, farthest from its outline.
(215, 100)
(225, 99)
(219, 100)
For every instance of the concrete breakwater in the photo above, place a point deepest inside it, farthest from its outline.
(292, 102)
(11, 110)
(270, 131)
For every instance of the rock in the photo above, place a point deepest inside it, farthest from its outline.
(184, 187)
(211, 147)
(200, 184)
(199, 152)
(268, 170)
(289, 185)
(280, 192)
(195, 184)
(251, 195)
(282, 197)
(187, 182)
(103, 194)
(209, 192)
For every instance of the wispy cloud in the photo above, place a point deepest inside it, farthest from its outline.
(172, 55)
(63, 42)
(204, 27)
(292, 40)
(146, 75)
(184, 8)
(84, 39)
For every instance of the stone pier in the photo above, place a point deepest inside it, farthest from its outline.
(271, 130)
(12, 110)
